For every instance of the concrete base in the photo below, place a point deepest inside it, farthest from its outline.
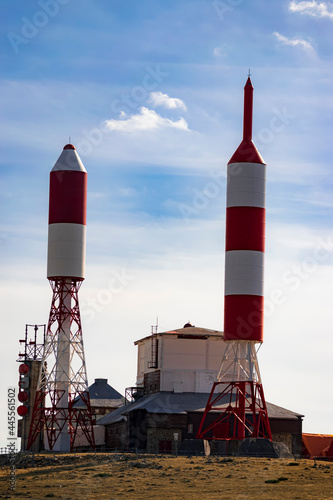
(194, 447)
(256, 447)
(249, 447)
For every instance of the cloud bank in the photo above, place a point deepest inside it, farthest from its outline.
(146, 119)
(294, 43)
(160, 99)
(313, 8)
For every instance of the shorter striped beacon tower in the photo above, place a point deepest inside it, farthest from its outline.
(62, 404)
(237, 403)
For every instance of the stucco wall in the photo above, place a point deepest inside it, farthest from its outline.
(186, 364)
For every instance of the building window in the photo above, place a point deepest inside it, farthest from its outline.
(190, 428)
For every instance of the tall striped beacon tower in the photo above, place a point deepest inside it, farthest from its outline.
(62, 404)
(237, 393)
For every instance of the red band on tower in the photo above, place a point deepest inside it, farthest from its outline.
(245, 228)
(244, 319)
(68, 197)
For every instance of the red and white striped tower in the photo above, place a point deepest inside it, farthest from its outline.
(237, 393)
(63, 378)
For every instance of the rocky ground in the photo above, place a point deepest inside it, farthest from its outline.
(148, 477)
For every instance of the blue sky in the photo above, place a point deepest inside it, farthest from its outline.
(151, 94)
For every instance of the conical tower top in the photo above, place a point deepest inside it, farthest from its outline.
(246, 151)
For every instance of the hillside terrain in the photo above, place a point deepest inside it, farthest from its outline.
(150, 477)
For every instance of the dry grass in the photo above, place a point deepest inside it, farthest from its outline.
(117, 477)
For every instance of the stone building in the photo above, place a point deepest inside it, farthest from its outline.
(103, 398)
(176, 370)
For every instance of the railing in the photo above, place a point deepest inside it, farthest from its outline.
(132, 394)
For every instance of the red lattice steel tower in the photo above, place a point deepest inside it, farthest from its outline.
(236, 407)
(63, 382)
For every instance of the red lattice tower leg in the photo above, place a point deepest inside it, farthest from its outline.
(62, 404)
(236, 407)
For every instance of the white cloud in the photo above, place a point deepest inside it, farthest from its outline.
(146, 119)
(160, 99)
(287, 41)
(218, 52)
(221, 51)
(313, 8)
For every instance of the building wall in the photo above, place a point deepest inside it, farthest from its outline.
(137, 429)
(185, 364)
(190, 353)
(98, 412)
(116, 436)
(152, 382)
(288, 431)
(187, 380)
(155, 432)
(99, 435)
(161, 440)
(161, 428)
(190, 364)
(285, 438)
(144, 355)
